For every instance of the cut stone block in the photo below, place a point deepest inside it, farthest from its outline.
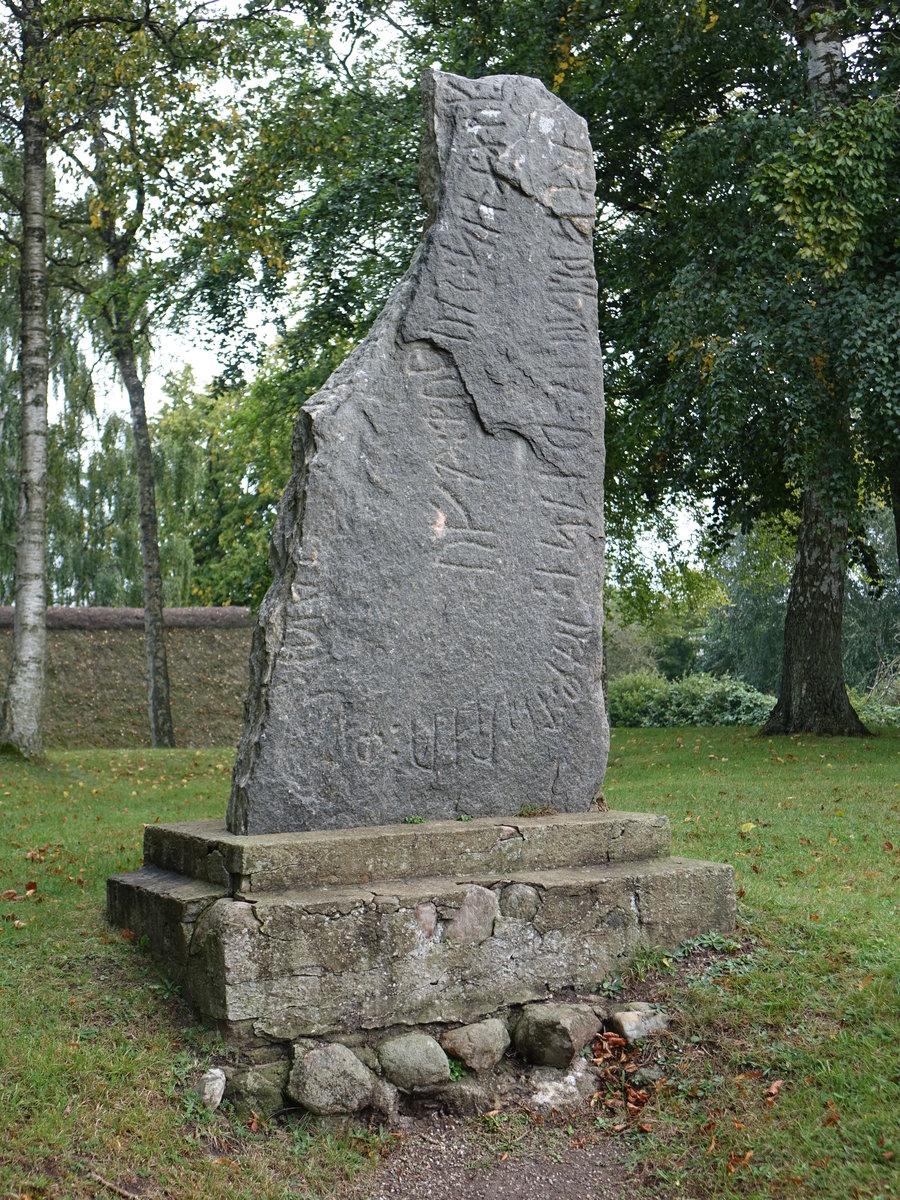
(206, 850)
(162, 907)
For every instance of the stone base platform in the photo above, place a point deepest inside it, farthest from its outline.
(289, 936)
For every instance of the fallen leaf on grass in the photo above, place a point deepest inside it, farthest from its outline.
(833, 1116)
(127, 934)
(865, 982)
(773, 1091)
(736, 1160)
(30, 890)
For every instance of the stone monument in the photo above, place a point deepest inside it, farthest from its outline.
(409, 841)
(431, 643)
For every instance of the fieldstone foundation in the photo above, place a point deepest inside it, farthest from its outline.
(289, 941)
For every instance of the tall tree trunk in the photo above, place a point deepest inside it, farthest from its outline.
(894, 485)
(813, 695)
(161, 730)
(120, 329)
(20, 715)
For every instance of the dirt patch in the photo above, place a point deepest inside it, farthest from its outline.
(446, 1158)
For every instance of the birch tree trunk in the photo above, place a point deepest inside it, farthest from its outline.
(20, 714)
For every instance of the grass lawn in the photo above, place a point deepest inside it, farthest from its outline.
(96, 1054)
(812, 826)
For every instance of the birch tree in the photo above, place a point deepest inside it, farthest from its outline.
(57, 64)
(89, 82)
(20, 712)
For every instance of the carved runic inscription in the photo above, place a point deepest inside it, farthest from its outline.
(431, 643)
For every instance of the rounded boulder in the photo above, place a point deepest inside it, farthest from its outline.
(330, 1080)
(413, 1060)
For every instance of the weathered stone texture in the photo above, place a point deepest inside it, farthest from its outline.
(161, 906)
(479, 1046)
(210, 1087)
(258, 1088)
(637, 1020)
(413, 1060)
(431, 642)
(473, 921)
(552, 1034)
(330, 1079)
(205, 850)
(309, 963)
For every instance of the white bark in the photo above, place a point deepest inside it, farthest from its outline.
(20, 715)
(822, 51)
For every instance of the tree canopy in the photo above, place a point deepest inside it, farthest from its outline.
(747, 251)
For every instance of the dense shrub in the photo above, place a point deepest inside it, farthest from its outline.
(645, 698)
(875, 711)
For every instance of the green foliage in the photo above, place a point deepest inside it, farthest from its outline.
(93, 548)
(457, 1068)
(837, 181)
(647, 699)
(743, 635)
(223, 460)
(655, 610)
(873, 710)
(747, 268)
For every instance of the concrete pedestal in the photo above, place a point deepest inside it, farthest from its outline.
(288, 936)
